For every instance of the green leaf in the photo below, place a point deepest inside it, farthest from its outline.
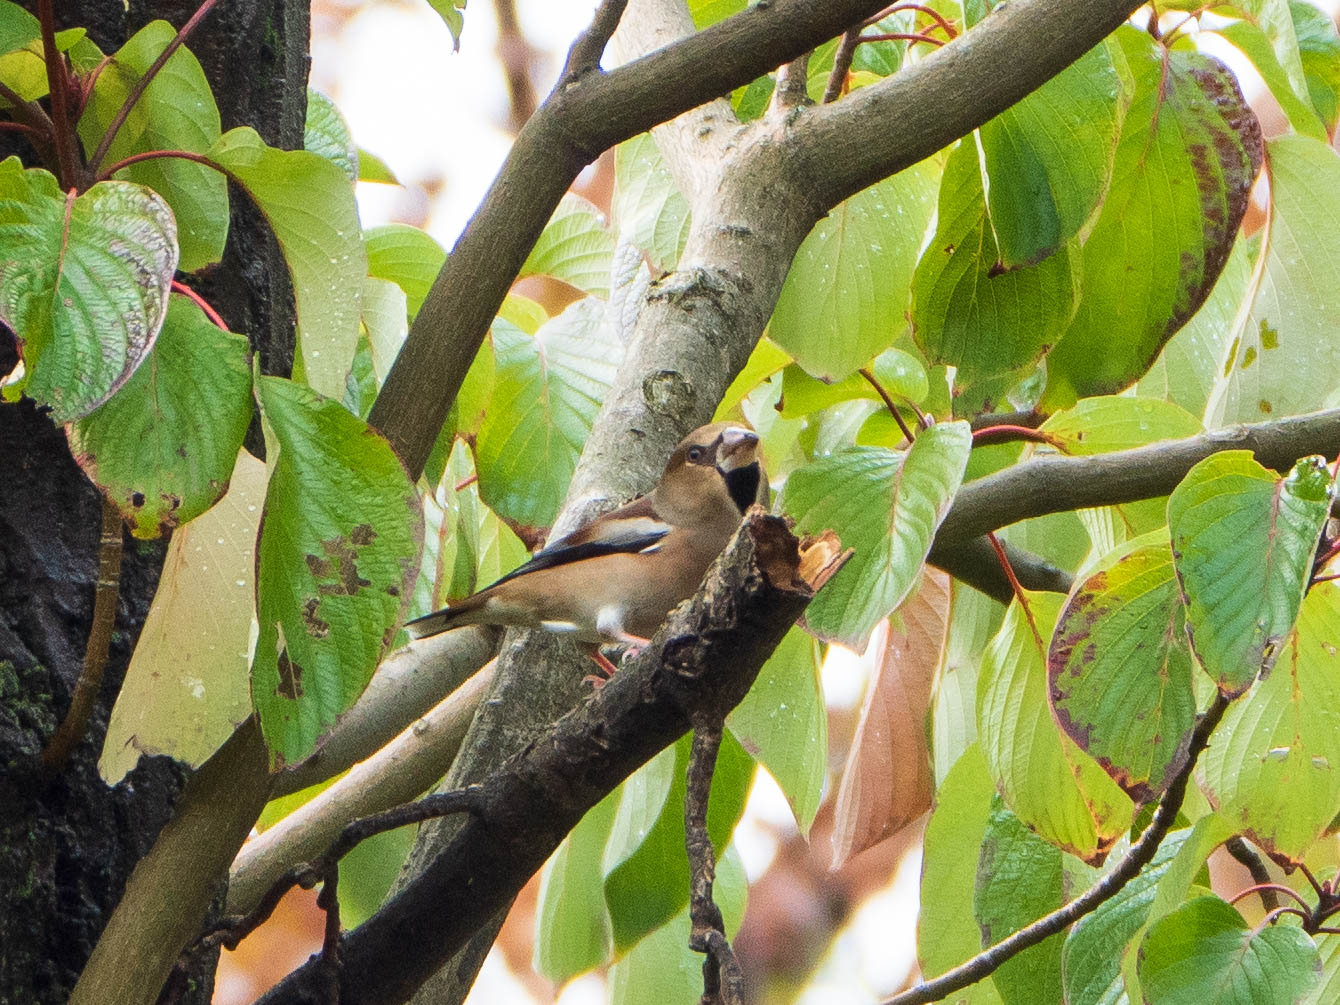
(1274, 767)
(1277, 24)
(176, 112)
(309, 204)
(898, 372)
(885, 504)
(1243, 542)
(1019, 879)
(1254, 44)
(662, 968)
(572, 926)
(973, 619)
(1190, 363)
(408, 257)
(1092, 957)
(845, 297)
(647, 207)
(946, 933)
(1119, 671)
(1284, 359)
(336, 560)
(163, 447)
(1319, 52)
(765, 360)
(574, 247)
(783, 725)
(1328, 990)
(450, 11)
(646, 866)
(1208, 833)
(1189, 151)
(707, 12)
(546, 394)
(1204, 952)
(1049, 157)
(186, 687)
(1117, 422)
(17, 27)
(372, 168)
(83, 283)
(967, 311)
(1049, 783)
(384, 313)
(327, 134)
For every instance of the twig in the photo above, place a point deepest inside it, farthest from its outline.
(988, 435)
(141, 85)
(792, 80)
(873, 381)
(58, 83)
(584, 56)
(230, 931)
(75, 724)
(976, 563)
(900, 36)
(516, 55)
(931, 12)
(1030, 418)
(149, 155)
(837, 79)
(1017, 589)
(1141, 854)
(1265, 885)
(23, 127)
(723, 982)
(1267, 892)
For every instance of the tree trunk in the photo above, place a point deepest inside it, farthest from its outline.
(68, 842)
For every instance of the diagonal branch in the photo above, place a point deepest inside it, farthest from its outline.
(705, 658)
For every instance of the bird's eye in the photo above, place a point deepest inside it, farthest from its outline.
(695, 453)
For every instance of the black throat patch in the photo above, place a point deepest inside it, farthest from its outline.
(742, 484)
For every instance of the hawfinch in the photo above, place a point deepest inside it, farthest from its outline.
(615, 579)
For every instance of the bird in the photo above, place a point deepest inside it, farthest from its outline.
(614, 580)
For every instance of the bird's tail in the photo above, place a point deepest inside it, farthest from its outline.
(457, 616)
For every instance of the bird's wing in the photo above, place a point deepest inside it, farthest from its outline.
(632, 528)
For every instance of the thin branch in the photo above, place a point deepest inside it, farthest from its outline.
(141, 85)
(988, 435)
(517, 57)
(107, 591)
(873, 381)
(837, 79)
(584, 56)
(1267, 892)
(977, 564)
(930, 12)
(1029, 418)
(723, 982)
(1265, 885)
(148, 155)
(1017, 589)
(900, 36)
(1141, 854)
(23, 127)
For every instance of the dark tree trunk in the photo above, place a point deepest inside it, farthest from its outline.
(68, 842)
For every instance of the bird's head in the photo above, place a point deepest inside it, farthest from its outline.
(716, 461)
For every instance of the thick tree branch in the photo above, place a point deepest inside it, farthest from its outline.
(1055, 484)
(975, 563)
(1140, 855)
(704, 658)
(405, 768)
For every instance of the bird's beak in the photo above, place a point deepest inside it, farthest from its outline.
(737, 449)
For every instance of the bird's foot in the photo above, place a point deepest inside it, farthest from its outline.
(606, 668)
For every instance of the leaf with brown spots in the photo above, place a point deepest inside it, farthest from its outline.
(1119, 672)
(162, 448)
(337, 558)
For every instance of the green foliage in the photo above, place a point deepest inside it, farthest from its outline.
(163, 448)
(334, 563)
(83, 283)
(1080, 255)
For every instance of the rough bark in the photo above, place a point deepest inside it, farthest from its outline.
(68, 842)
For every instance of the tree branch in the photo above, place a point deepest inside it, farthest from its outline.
(1054, 484)
(402, 770)
(1140, 855)
(704, 658)
(572, 127)
(975, 563)
(723, 983)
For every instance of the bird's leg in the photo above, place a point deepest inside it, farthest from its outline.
(606, 668)
(635, 643)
